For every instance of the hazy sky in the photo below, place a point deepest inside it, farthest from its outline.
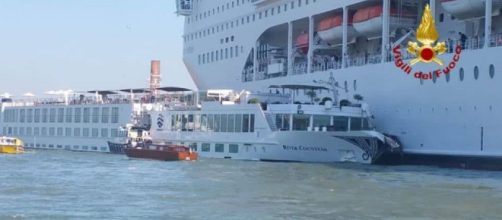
(88, 44)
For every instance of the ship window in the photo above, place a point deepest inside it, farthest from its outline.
(476, 72)
(492, 72)
(59, 146)
(105, 114)
(447, 76)
(68, 115)
(220, 148)
(103, 149)
(321, 121)
(76, 132)
(104, 132)
(22, 115)
(210, 122)
(52, 131)
(282, 122)
(87, 115)
(85, 132)
(115, 115)
(30, 115)
(356, 124)
(217, 123)
(95, 115)
(206, 147)
(366, 124)
(355, 85)
(95, 132)
(441, 17)
(52, 115)
(85, 147)
(231, 52)
(44, 115)
(193, 146)
(60, 132)
(94, 148)
(231, 123)
(461, 74)
(238, 123)
(68, 132)
(51, 145)
(233, 148)
(60, 115)
(36, 131)
(245, 123)
(434, 77)
(37, 116)
(300, 122)
(292, 5)
(114, 132)
(340, 123)
(251, 123)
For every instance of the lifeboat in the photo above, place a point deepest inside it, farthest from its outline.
(465, 9)
(368, 21)
(302, 43)
(330, 30)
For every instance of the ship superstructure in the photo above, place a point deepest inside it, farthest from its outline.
(253, 44)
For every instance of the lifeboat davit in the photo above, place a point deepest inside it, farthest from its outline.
(368, 21)
(465, 9)
(331, 30)
(302, 43)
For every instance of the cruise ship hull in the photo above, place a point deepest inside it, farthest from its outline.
(455, 117)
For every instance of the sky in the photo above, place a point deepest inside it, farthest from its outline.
(88, 45)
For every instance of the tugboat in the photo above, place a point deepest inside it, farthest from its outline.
(11, 145)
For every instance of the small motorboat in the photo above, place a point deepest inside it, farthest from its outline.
(11, 145)
(160, 152)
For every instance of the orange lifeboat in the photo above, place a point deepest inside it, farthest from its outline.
(330, 30)
(368, 21)
(302, 42)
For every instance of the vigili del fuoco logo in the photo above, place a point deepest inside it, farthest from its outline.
(426, 50)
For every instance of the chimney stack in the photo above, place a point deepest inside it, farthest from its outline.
(155, 77)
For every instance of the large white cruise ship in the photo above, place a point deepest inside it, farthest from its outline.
(252, 44)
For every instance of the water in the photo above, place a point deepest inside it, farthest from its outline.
(70, 185)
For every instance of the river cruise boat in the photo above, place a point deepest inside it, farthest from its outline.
(273, 126)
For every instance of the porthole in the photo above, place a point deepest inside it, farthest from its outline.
(461, 74)
(492, 71)
(476, 72)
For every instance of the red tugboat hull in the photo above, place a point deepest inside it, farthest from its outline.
(164, 153)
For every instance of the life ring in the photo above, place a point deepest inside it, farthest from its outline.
(365, 156)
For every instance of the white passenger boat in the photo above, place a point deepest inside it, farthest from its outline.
(272, 126)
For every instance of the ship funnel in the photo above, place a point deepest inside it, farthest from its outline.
(155, 77)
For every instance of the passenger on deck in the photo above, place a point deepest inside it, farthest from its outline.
(463, 39)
